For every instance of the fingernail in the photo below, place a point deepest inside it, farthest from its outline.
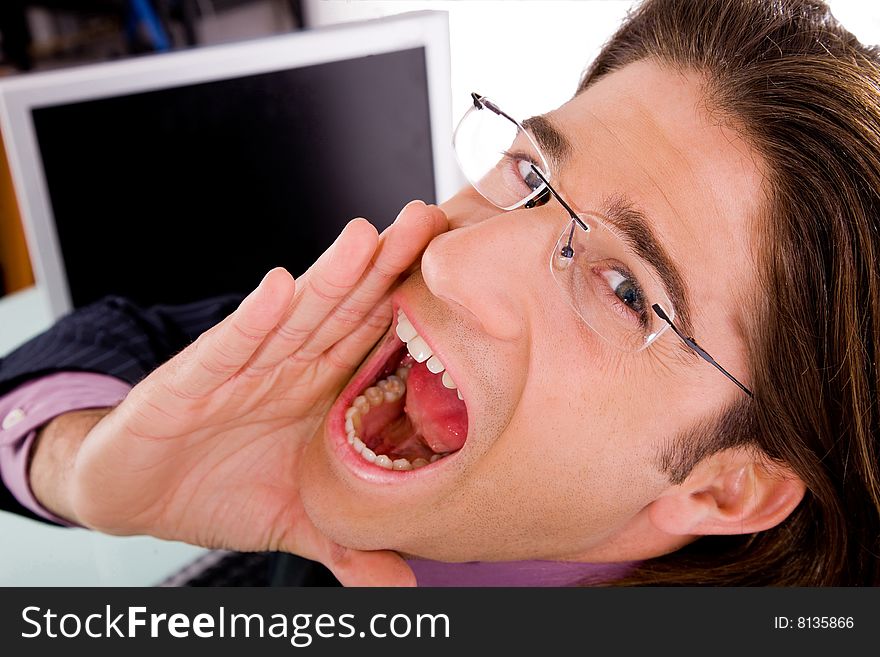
(407, 206)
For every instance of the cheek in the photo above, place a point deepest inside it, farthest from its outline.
(586, 429)
(568, 476)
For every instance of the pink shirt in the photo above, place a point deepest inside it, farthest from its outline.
(32, 405)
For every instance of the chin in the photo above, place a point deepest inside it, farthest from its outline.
(374, 522)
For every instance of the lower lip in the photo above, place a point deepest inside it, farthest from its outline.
(338, 441)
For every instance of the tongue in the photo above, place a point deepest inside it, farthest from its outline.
(435, 411)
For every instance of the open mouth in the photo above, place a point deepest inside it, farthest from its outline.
(410, 413)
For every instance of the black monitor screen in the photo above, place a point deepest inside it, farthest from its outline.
(173, 195)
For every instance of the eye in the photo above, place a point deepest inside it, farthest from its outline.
(626, 293)
(528, 176)
(520, 178)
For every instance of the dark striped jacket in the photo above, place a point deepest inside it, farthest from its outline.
(113, 336)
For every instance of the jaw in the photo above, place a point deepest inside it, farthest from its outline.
(466, 505)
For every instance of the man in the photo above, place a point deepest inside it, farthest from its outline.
(534, 392)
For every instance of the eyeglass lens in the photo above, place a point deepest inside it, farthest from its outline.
(605, 282)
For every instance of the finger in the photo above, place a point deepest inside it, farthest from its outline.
(351, 350)
(319, 290)
(399, 248)
(380, 568)
(351, 567)
(222, 351)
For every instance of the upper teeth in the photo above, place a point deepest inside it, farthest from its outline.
(389, 390)
(421, 352)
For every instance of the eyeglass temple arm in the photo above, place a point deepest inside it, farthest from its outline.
(568, 209)
(702, 353)
(481, 101)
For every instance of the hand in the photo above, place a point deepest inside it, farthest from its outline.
(205, 449)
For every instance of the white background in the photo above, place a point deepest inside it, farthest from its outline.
(528, 55)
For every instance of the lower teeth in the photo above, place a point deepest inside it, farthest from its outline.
(391, 389)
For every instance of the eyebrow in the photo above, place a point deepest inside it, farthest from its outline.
(636, 229)
(628, 219)
(550, 139)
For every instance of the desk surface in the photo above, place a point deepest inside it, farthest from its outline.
(33, 554)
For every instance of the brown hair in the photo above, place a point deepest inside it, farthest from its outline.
(806, 95)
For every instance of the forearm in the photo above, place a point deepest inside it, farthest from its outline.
(53, 458)
(27, 411)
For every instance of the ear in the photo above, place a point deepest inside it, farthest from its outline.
(736, 491)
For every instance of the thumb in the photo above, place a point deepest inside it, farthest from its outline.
(378, 568)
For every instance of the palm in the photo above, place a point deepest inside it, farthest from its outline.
(233, 458)
(206, 449)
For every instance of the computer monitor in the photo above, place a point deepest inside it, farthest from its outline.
(174, 177)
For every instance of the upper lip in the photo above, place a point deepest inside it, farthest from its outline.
(439, 352)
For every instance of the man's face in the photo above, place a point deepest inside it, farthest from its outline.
(563, 430)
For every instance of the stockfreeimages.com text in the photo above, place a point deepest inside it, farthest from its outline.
(300, 629)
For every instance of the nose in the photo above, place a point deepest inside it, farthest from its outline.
(490, 269)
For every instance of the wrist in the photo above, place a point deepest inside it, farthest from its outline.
(53, 459)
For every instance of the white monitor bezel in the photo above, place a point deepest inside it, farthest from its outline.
(19, 96)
